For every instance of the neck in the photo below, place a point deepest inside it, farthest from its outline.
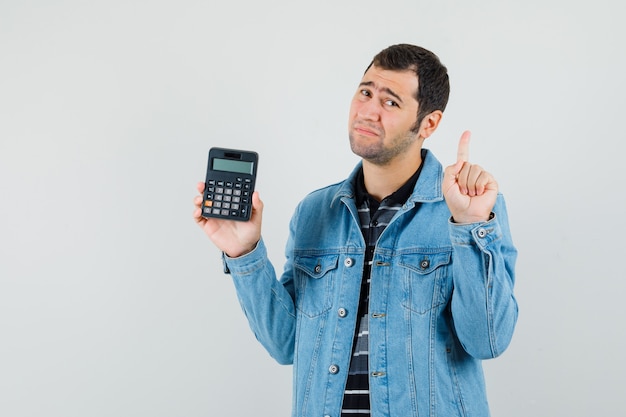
(383, 180)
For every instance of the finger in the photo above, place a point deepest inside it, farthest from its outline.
(463, 150)
(200, 187)
(473, 177)
(197, 216)
(256, 199)
(486, 182)
(462, 176)
(450, 174)
(481, 183)
(257, 204)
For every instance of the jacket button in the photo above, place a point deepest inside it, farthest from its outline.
(482, 232)
(342, 312)
(333, 369)
(348, 262)
(425, 264)
(318, 269)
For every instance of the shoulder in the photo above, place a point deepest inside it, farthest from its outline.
(335, 191)
(324, 197)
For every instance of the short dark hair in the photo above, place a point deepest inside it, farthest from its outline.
(432, 76)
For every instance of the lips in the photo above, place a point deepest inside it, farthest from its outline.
(366, 130)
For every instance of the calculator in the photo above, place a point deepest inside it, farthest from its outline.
(230, 180)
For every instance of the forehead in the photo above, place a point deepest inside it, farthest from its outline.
(402, 83)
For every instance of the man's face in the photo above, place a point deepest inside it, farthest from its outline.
(383, 114)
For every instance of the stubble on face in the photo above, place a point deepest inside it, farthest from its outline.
(374, 149)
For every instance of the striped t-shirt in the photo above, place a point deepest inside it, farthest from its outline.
(374, 217)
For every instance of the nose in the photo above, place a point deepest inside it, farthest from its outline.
(369, 110)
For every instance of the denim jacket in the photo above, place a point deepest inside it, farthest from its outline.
(441, 300)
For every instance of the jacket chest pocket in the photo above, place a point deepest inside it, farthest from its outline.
(315, 277)
(425, 280)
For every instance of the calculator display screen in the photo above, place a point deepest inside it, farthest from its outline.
(229, 165)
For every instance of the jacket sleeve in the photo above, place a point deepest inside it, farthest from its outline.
(267, 303)
(484, 308)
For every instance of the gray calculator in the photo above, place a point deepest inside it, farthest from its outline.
(230, 180)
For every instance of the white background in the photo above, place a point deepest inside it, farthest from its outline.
(112, 301)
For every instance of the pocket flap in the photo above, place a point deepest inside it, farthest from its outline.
(316, 266)
(425, 263)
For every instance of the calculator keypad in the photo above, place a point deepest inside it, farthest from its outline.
(228, 198)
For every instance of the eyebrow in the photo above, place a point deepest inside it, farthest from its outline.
(384, 89)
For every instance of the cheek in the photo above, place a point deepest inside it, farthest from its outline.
(400, 126)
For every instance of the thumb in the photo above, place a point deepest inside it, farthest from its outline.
(256, 201)
(257, 207)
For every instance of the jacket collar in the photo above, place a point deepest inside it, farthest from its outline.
(426, 190)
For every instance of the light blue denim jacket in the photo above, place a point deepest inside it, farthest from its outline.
(441, 300)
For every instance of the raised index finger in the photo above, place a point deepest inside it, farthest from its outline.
(462, 154)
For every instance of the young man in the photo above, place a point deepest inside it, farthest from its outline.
(398, 280)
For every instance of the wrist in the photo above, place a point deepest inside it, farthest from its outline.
(238, 253)
(471, 219)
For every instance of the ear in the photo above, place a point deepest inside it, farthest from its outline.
(430, 123)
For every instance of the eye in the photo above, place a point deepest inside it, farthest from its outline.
(365, 93)
(391, 103)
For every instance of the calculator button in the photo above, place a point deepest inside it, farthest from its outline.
(228, 197)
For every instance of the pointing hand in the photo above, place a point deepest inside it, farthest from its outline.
(470, 191)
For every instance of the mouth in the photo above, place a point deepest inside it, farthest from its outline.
(366, 130)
